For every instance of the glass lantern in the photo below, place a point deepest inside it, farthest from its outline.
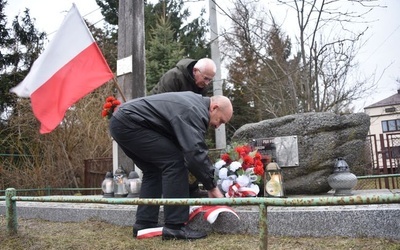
(119, 183)
(342, 180)
(273, 181)
(107, 186)
(133, 184)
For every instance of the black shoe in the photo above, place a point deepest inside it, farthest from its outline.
(184, 233)
(138, 227)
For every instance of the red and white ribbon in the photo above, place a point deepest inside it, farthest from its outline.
(211, 213)
(236, 190)
(149, 232)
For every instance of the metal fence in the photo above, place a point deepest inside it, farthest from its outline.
(363, 183)
(12, 222)
(384, 151)
(389, 181)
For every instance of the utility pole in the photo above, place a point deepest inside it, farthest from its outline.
(131, 67)
(220, 136)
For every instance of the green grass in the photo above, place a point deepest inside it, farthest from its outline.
(35, 234)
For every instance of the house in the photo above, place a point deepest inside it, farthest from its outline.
(385, 115)
(384, 134)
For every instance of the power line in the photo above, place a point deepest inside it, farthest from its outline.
(384, 41)
(91, 12)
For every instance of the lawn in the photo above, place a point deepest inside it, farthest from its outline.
(40, 234)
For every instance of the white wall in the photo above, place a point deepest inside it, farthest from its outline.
(378, 114)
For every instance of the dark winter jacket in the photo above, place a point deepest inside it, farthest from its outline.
(181, 116)
(180, 78)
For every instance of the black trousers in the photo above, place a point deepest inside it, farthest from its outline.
(164, 171)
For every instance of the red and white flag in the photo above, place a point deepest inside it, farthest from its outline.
(70, 67)
(211, 213)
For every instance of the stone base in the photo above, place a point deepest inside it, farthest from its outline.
(343, 192)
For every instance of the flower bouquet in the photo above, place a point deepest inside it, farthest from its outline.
(109, 106)
(240, 171)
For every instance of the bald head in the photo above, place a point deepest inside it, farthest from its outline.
(221, 110)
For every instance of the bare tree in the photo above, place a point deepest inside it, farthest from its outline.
(55, 159)
(261, 72)
(313, 75)
(328, 43)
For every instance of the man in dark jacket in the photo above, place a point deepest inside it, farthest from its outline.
(187, 75)
(164, 135)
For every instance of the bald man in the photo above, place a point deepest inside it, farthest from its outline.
(187, 75)
(164, 135)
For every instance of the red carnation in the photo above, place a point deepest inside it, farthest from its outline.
(225, 157)
(116, 102)
(259, 170)
(247, 162)
(241, 151)
(107, 105)
(110, 99)
(104, 113)
(257, 156)
(246, 149)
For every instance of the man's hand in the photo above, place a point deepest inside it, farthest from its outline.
(215, 193)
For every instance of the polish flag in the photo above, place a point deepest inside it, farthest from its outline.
(210, 212)
(71, 67)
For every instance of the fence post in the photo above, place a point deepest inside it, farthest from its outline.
(263, 227)
(11, 211)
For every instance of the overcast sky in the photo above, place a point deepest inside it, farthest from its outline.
(381, 52)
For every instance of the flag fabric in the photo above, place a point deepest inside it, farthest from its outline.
(70, 67)
(211, 213)
(149, 233)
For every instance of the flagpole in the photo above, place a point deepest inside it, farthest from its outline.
(119, 89)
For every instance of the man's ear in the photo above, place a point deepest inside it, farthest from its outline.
(213, 106)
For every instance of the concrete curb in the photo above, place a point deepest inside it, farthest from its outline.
(378, 221)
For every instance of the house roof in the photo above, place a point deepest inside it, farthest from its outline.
(391, 100)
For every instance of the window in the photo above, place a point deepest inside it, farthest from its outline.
(384, 126)
(391, 125)
(390, 110)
